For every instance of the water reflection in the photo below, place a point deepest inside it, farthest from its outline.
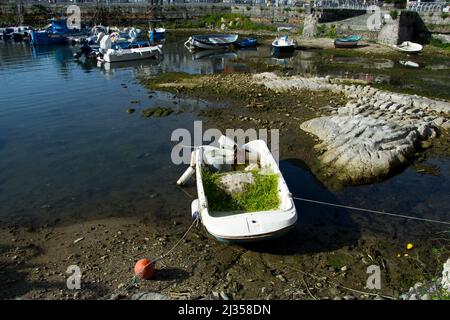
(67, 146)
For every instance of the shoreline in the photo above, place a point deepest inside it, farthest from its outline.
(34, 263)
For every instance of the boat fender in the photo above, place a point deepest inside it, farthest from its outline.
(186, 176)
(195, 209)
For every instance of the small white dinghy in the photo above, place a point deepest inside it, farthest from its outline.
(408, 47)
(236, 225)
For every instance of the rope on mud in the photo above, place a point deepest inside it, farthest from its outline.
(372, 211)
(136, 278)
(332, 282)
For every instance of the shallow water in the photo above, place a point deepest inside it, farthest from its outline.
(69, 150)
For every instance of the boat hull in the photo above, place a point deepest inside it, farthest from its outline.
(284, 44)
(262, 237)
(244, 226)
(212, 42)
(409, 47)
(131, 54)
(290, 48)
(347, 44)
(47, 38)
(246, 43)
(156, 36)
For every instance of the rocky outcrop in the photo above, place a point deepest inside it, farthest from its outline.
(437, 289)
(374, 133)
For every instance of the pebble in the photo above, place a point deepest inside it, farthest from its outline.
(344, 268)
(224, 296)
(150, 296)
(78, 240)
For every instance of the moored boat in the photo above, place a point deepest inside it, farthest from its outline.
(246, 43)
(119, 52)
(211, 41)
(238, 225)
(284, 44)
(56, 33)
(156, 32)
(408, 47)
(347, 42)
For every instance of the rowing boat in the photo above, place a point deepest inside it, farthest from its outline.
(238, 225)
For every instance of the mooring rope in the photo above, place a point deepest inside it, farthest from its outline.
(135, 279)
(372, 211)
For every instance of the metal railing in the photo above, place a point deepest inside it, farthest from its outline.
(426, 6)
(345, 4)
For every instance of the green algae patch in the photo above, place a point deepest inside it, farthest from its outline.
(261, 195)
(156, 112)
(169, 80)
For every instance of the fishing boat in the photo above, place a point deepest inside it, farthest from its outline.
(156, 34)
(408, 47)
(411, 64)
(246, 43)
(56, 33)
(284, 44)
(211, 41)
(126, 52)
(347, 42)
(236, 225)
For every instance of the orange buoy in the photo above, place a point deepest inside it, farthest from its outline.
(144, 269)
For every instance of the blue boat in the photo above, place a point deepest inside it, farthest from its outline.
(246, 43)
(347, 42)
(156, 33)
(56, 33)
(130, 45)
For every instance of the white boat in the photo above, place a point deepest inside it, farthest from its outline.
(409, 64)
(211, 41)
(408, 47)
(238, 226)
(284, 44)
(119, 54)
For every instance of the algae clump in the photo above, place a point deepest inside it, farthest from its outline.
(261, 195)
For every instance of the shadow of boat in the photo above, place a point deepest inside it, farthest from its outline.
(319, 228)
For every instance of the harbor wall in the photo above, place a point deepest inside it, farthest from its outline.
(408, 26)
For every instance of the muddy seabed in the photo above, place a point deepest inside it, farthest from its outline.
(323, 258)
